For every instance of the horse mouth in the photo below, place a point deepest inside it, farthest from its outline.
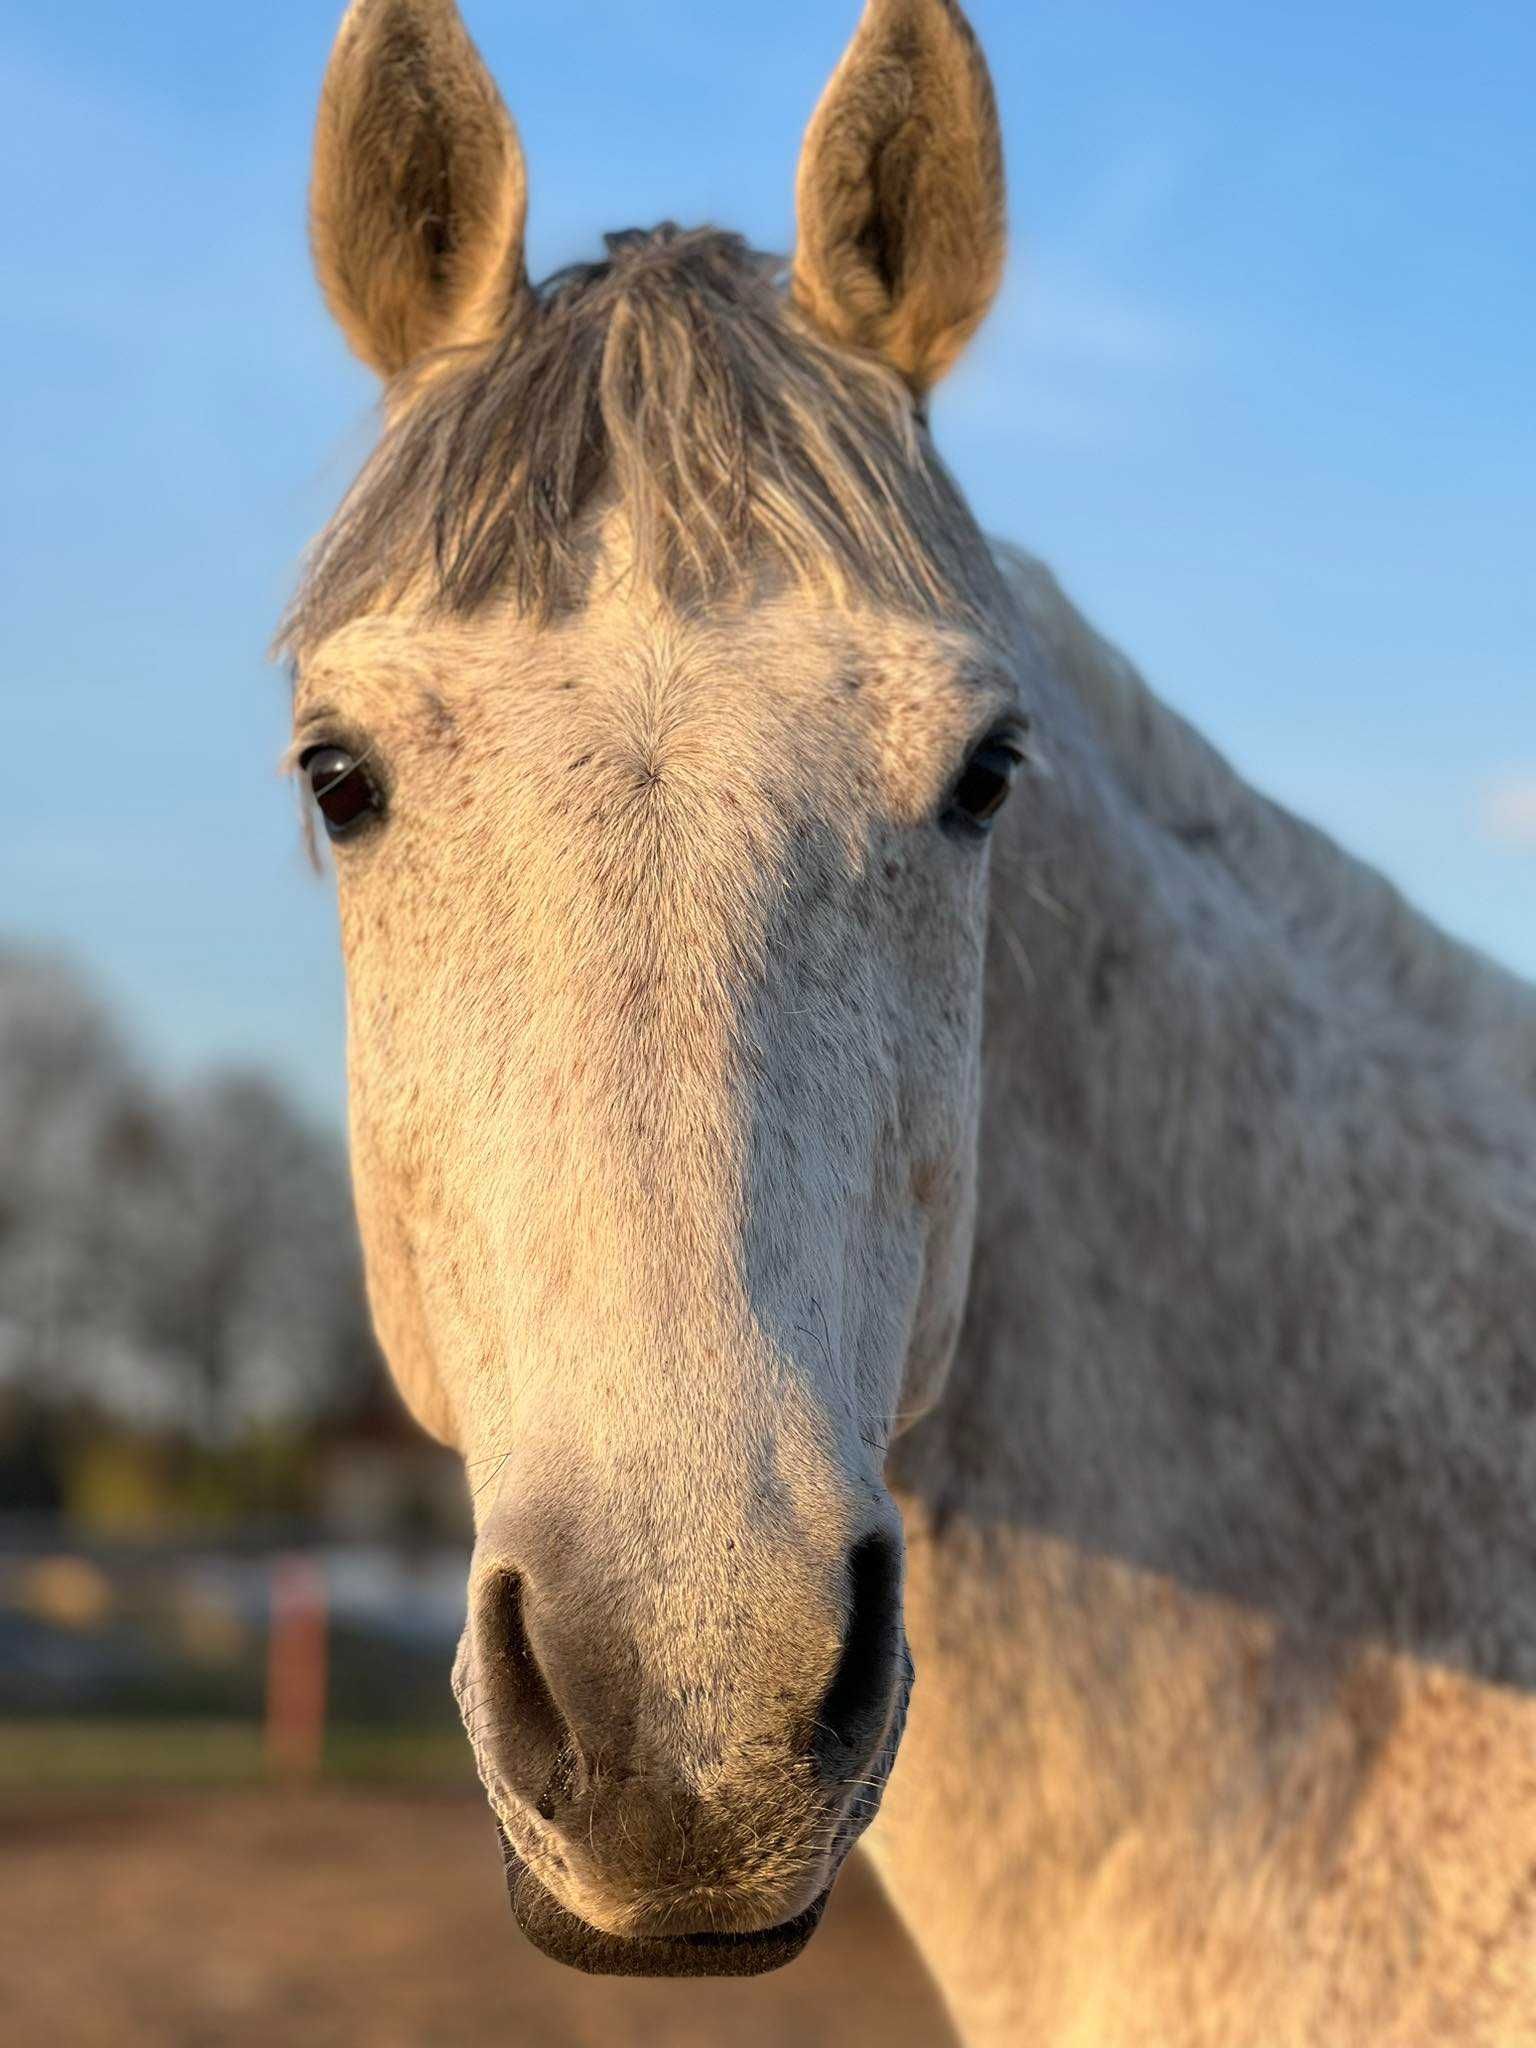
(564, 1938)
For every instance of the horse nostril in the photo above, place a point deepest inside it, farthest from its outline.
(514, 1714)
(858, 1702)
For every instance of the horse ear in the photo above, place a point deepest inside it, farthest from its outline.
(419, 196)
(902, 229)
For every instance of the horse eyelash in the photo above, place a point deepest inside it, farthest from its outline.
(289, 765)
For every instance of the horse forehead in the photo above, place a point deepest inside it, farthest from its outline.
(784, 650)
(749, 661)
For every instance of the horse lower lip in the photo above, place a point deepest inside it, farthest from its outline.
(561, 1936)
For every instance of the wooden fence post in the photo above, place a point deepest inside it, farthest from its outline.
(296, 1670)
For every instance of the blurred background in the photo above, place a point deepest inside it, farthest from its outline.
(1259, 388)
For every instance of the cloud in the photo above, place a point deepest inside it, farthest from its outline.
(1071, 361)
(1081, 322)
(1507, 811)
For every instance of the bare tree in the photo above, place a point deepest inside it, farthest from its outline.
(188, 1264)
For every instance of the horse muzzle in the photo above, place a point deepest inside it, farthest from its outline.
(680, 1805)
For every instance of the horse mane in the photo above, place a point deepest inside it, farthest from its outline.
(1375, 948)
(676, 380)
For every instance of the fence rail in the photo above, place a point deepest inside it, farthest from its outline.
(303, 1657)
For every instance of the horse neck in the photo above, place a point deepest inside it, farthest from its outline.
(1255, 1255)
(1240, 1425)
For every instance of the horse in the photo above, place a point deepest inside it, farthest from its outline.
(884, 1156)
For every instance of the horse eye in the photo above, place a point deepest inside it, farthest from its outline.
(346, 794)
(984, 786)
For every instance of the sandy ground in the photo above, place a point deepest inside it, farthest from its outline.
(336, 1920)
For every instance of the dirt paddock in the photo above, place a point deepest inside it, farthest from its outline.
(342, 1920)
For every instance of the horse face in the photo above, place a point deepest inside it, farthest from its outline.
(664, 956)
(662, 860)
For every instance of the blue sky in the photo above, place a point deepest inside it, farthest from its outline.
(1260, 387)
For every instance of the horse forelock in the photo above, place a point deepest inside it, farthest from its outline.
(675, 382)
